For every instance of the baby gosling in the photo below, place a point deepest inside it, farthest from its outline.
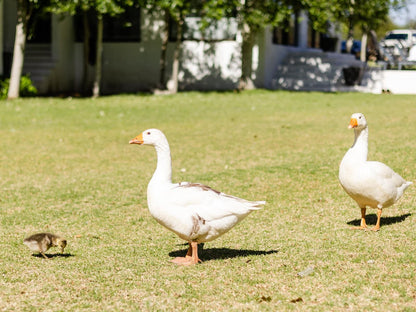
(41, 242)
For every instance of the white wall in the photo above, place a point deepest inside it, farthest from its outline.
(210, 66)
(130, 67)
(127, 66)
(62, 47)
(134, 67)
(399, 81)
(270, 56)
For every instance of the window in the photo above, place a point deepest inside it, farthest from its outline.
(313, 36)
(397, 37)
(124, 27)
(288, 33)
(40, 27)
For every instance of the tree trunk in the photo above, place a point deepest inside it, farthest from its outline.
(19, 51)
(245, 82)
(350, 37)
(363, 54)
(98, 62)
(374, 48)
(165, 41)
(86, 46)
(176, 54)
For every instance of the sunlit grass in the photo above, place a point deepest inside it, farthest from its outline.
(67, 167)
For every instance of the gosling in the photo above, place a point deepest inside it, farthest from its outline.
(41, 242)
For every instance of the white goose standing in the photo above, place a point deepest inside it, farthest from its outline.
(195, 212)
(369, 183)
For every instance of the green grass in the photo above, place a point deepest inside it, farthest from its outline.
(66, 167)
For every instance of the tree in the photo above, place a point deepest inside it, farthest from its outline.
(99, 9)
(253, 16)
(368, 15)
(174, 12)
(111, 8)
(25, 9)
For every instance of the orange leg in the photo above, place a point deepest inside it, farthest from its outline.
(195, 258)
(182, 260)
(377, 226)
(363, 224)
(191, 256)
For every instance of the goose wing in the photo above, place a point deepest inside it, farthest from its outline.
(209, 203)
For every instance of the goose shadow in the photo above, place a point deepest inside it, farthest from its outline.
(58, 255)
(372, 219)
(222, 253)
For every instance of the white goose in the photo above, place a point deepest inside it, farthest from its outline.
(369, 183)
(195, 212)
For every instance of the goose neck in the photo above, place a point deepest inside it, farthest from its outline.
(163, 172)
(360, 146)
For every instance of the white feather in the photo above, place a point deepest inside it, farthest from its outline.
(193, 211)
(370, 183)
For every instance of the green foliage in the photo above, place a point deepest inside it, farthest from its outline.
(358, 17)
(177, 9)
(104, 7)
(26, 89)
(255, 14)
(4, 87)
(367, 14)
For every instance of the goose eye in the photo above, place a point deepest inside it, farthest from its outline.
(148, 133)
(359, 117)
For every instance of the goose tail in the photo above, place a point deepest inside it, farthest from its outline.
(256, 205)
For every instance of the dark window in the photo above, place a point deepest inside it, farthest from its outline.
(217, 30)
(288, 33)
(124, 27)
(173, 30)
(397, 36)
(313, 36)
(39, 27)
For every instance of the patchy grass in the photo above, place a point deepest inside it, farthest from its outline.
(67, 167)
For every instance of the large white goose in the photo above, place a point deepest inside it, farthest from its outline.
(195, 212)
(369, 183)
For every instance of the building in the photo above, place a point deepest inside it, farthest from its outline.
(131, 55)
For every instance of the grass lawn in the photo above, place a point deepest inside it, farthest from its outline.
(66, 167)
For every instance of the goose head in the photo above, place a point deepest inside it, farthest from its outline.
(357, 121)
(152, 137)
(61, 243)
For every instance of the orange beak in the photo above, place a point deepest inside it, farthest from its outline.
(353, 123)
(137, 140)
